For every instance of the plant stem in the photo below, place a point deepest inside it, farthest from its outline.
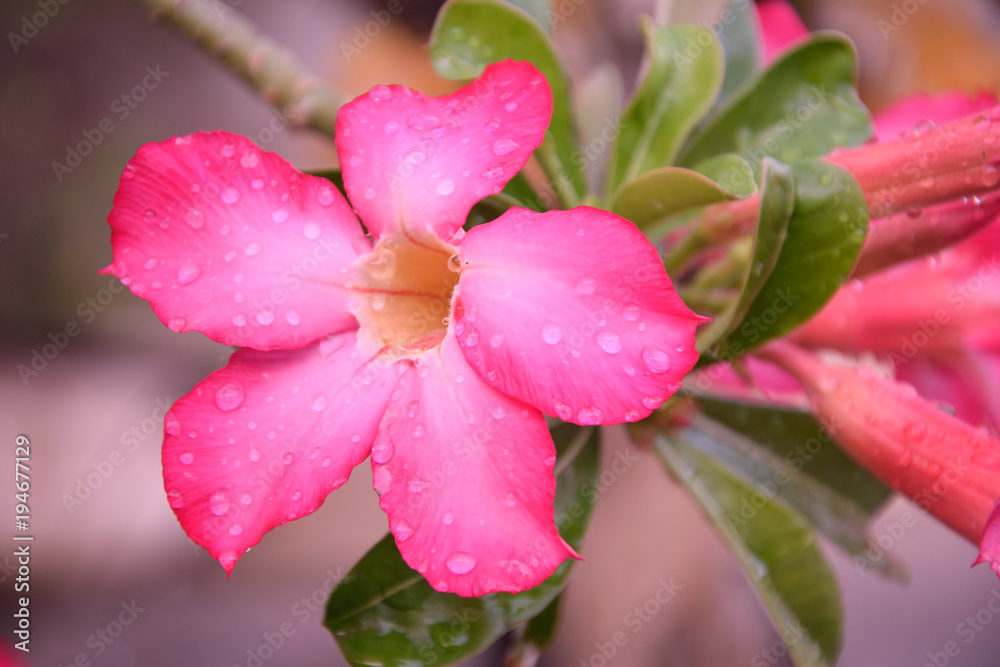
(275, 73)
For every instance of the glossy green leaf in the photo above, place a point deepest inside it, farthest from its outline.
(665, 192)
(775, 547)
(777, 202)
(787, 453)
(731, 172)
(540, 10)
(679, 87)
(470, 34)
(823, 238)
(803, 106)
(736, 27)
(384, 613)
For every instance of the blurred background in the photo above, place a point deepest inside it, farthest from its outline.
(107, 546)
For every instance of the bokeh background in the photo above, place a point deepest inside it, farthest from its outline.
(106, 542)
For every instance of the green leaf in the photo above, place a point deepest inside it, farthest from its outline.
(675, 93)
(777, 202)
(665, 192)
(471, 34)
(384, 613)
(536, 9)
(823, 238)
(803, 106)
(736, 27)
(776, 548)
(787, 452)
(731, 172)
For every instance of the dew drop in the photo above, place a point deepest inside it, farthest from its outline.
(382, 451)
(229, 396)
(279, 215)
(177, 324)
(423, 122)
(236, 529)
(496, 340)
(369, 193)
(445, 186)
(915, 432)
(590, 416)
(504, 146)
(586, 285)
(254, 455)
(551, 333)
(391, 128)
(632, 416)
(325, 195)
(376, 301)
(239, 320)
(415, 156)
(401, 530)
(319, 403)
(652, 402)
(413, 409)
(656, 359)
(492, 172)
(230, 195)
(245, 499)
(264, 317)
(218, 504)
(311, 230)
(631, 312)
(188, 273)
(252, 249)
(195, 218)
(175, 498)
(510, 500)
(498, 413)
(460, 562)
(905, 458)
(510, 106)
(228, 150)
(493, 124)
(472, 339)
(150, 264)
(609, 341)
(292, 317)
(563, 411)
(448, 518)
(248, 160)
(296, 496)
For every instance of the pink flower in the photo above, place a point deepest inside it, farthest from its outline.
(432, 350)
(949, 468)
(780, 28)
(936, 319)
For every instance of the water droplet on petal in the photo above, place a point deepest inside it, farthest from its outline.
(652, 402)
(292, 317)
(325, 195)
(175, 498)
(186, 458)
(239, 320)
(252, 249)
(254, 455)
(296, 496)
(492, 172)
(551, 333)
(445, 186)
(319, 402)
(460, 562)
(264, 317)
(510, 106)
(510, 500)
(415, 156)
(279, 215)
(236, 529)
(609, 341)
(230, 195)
(229, 396)
(311, 230)
(401, 530)
(504, 146)
(586, 285)
(369, 193)
(915, 432)
(391, 128)
(632, 416)
(905, 458)
(656, 359)
(195, 218)
(563, 411)
(188, 273)
(382, 451)
(590, 416)
(496, 340)
(218, 504)
(631, 312)
(177, 324)
(423, 122)
(448, 518)
(245, 499)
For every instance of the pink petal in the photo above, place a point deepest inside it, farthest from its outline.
(572, 312)
(989, 548)
(906, 114)
(265, 439)
(465, 474)
(415, 165)
(229, 240)
(780, 26)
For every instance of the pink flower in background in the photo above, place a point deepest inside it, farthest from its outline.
(433, 351)
(780, 28)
